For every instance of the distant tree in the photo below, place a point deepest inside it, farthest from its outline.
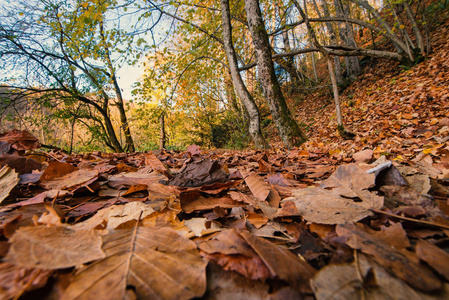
(288, 129)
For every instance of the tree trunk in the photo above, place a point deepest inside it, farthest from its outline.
(119, 101)
(289, 130)
(347, 37)
(333, 40)
(162, 138)
(242, 91)
(418, 36)
(72, 130)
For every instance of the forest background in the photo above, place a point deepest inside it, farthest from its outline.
(229, 74)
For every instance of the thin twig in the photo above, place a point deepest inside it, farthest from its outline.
(410, 219)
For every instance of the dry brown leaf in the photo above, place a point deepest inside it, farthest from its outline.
(20, 140)
(154, 263)
(56, 170)
(393, 235)
(71, 181)
(228, 249)
(282, 263)
(40, 198)
(256, 219)
(22, 165)
(152, 161)
(201, 203)
(258, 186)
(363, 156)
(8, 180)
(15, 280)
(225, 285)
(365, 279)
(121, 167)
(403, 264)
(113, 216)
(126, 180)
(53, 247)
(198, 227)
(199, 173)
(437, 258)
(343, 197)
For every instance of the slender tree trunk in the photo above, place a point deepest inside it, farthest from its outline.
(333, 40)
(120, 103)
(162, 137)
(289, 130)
(72, 131)
(242, 91)
(346, 35)
(315, 75)
(418, 36)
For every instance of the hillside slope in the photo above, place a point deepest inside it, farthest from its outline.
(392, 110)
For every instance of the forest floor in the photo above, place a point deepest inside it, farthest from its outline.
(362, 219)
(392, 110)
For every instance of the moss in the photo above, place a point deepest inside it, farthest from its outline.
(346, 135)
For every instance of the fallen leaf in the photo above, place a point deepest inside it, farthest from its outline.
(56, 170)
(71, 181)
(402, 264)
(40, 198)
(199, 228)
(194, 150)
(8, 180)
(20, 140)
(124, 168)
(22, 165)
(363, 156)
(278, 179)
(15, 280)
(256, 219)
(157, 166)
(111, 217)
(365, 279)
(224, 285)
(201, 203)
(343, 197)
(258, 186)
(435, 257)
(126, 180)
(53, 247)
(282, 263)
(228, 249)
(198, 173)
(154, 263)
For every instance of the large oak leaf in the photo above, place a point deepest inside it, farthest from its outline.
(155, 263)
(342, 198)
(8, 180)
(53, 247)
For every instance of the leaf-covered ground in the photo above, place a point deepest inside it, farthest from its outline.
(363, 219)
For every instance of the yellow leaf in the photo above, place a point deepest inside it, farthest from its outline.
(427, 151)
(402, 26)
(84, 4)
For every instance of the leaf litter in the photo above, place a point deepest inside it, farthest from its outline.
(314, 225)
